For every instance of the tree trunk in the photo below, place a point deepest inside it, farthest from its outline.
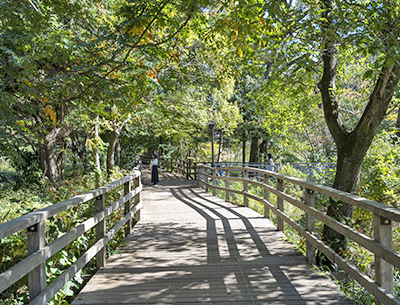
(244, 149)
(351, 146)
(111, 149)
(347, 178)
(118, 153)
(221, 135)
(50, 145)
(263, 151)
(79, 148)
(398, 126)
(48, 150)
(43, 160)
(253, 149)
(61, 158)
(96, 156)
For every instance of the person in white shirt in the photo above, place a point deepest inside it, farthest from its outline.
(154, 169)
(270, 163)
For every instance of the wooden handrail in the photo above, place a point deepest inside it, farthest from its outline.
(180, 166)
(34, 265)
(380, 245)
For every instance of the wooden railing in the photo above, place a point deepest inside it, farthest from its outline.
(38, 252)
(306, 168)
(380, 244)
(186, 167)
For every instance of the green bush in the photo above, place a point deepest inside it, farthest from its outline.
(380, 179)
(17, 203)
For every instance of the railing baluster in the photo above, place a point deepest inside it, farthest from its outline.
(137, 183)
(383, 270)
(100, 204)
(214, 181)
(127, 207)
(37, 277)
(266, 195)
(199, 177)
(245, 187)
(279, 187)
(310, 224)
(207, 179)
(227, 182)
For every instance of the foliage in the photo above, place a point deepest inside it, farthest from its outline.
(156, 72)
(17, 203)
(381, 171)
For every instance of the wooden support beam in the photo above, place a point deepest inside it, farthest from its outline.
(227, 182)
(214, 181)
(136, 200)
(100, 204)
(310, 224)
(279, 200)
(245, 187)
(37, 277)
(266, 195)
(384, 272)
(127, 207)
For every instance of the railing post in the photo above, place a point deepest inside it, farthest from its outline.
(227, 183)
(383, 270)
(266, 195)
(279, 200)
(245, 187)
(199, 177)
(206, 179)
(127, 208)
(137, 183)
(172, 166)
(194, 170)
(100, 205)
(214, 181)
(310, 224)
(37, 277)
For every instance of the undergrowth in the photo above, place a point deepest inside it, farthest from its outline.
(362, 222)
(15, 203)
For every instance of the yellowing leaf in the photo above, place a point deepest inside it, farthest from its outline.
(240, 52)
(150, 73)
(49, 111)
(149, 36)
(21, 123)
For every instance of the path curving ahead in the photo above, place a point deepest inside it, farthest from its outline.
(193, 248)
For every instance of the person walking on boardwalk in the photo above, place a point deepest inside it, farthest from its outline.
(154, 169)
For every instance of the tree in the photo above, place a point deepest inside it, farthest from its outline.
(352, 145)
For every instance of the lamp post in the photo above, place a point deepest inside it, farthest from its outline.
(211, 125)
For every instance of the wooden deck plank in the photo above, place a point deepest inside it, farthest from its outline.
(193, 248)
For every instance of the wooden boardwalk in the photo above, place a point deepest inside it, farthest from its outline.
(193, 248)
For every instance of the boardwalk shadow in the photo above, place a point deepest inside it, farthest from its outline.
(197, 202)
(204, 251)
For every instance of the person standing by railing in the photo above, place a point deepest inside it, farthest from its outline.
(154, 169)
(270, 163)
